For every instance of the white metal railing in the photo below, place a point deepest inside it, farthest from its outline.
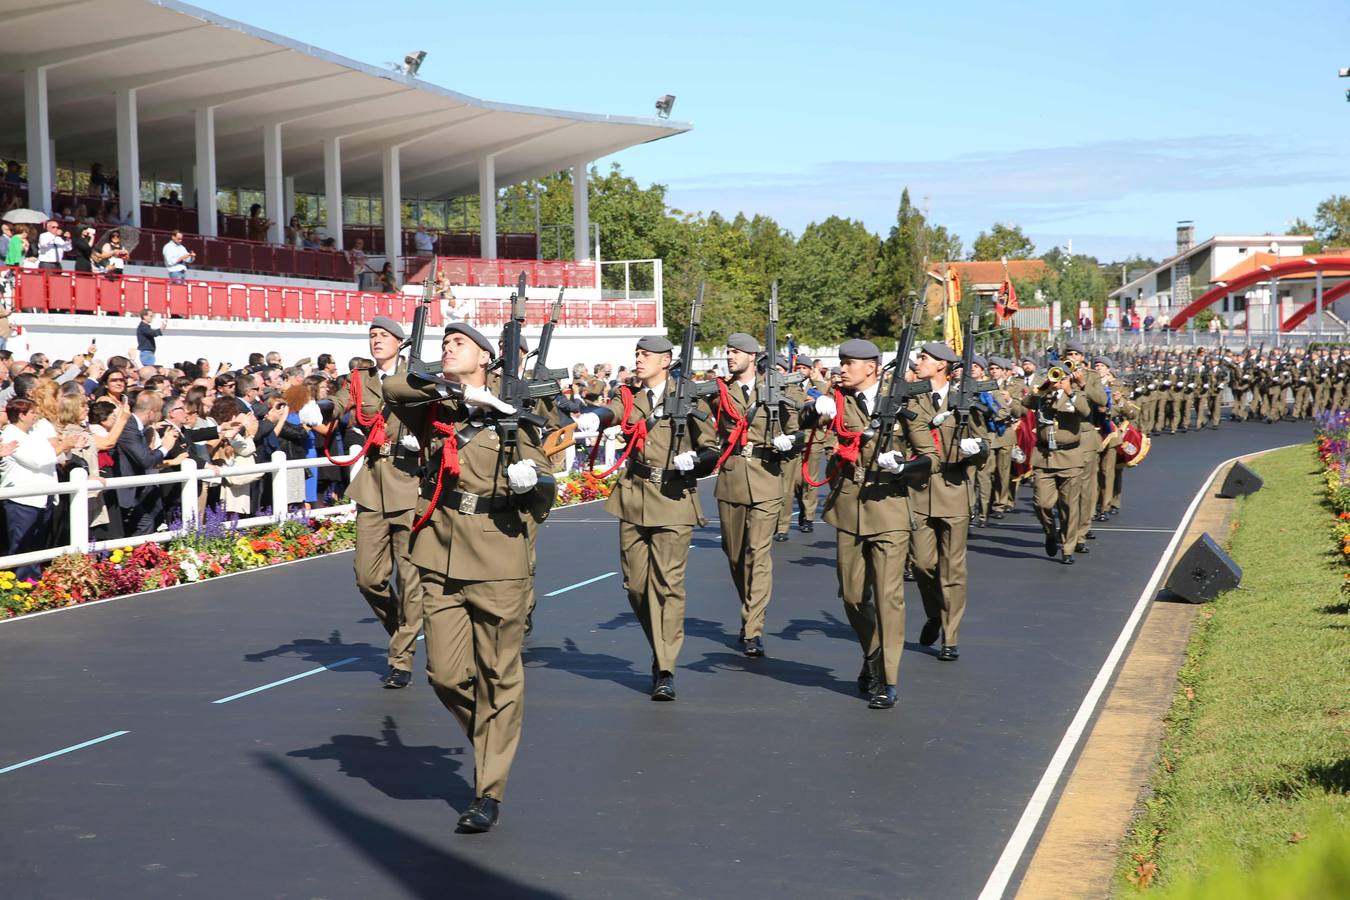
(190, 477)
(642, 280)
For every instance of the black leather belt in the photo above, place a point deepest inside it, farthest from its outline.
(474, 504)
(644, 472)
(875, 476)
(767, 454)
(1046, 448)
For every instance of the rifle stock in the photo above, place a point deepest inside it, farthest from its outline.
(419, 327)
(685, 401)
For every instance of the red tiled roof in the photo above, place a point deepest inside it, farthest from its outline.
(991, 271)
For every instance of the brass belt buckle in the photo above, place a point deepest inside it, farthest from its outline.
(655, 476)
(468, 503)
(748, 450)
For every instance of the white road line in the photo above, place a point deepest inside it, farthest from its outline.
(46, 756)
(1040, 798)
(341, 662)
(573, 587)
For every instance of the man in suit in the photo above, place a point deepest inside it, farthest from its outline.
(142, 507)
(472, 552)
(655, 501)
(385, 492)
(941, 505)
(869, 506)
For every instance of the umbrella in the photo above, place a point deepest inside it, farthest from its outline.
(26, 217)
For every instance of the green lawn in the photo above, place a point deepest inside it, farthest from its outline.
(1257, 751)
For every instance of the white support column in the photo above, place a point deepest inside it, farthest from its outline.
(393, 212)
(581, 212)
(487, 207)
(272, 181)
(189, 186)
(206, 171)
(128, 157)
(288, 198)
(41, 177)
(332, 187)
(51, 159)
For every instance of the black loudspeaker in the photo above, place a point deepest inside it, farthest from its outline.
(1240, 482)
(1203, 572)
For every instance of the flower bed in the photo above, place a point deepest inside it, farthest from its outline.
(1333, 449)
(211, 550)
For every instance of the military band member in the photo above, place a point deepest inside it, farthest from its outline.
(1001, 445)
(1057, 461)
(656, 502)
(757, 445)
(1089, 441)
(1120, 410)
(869, 506)
(384, 489)
(996, 429)
(474, 554)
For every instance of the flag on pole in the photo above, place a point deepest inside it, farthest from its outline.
(1005, 303)
(951, 319)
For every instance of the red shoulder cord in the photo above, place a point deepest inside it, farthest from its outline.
(635, 435)
(374, 424)
(449, 462)
(739, 425)
(848, 450)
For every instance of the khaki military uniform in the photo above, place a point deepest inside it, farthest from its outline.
(385, 493)
(796, 489)
(476, 564)
(657, 508)
(1001, 446)
(870, 511)
(749, 498)
(1090, 445)
(1057, 470)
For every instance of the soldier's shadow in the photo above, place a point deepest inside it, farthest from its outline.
(1002, 552)
(323, 652)
(712, 631)
(813, 561)
(794, 673)
(596, 666)
(827, 625)
(395, 769)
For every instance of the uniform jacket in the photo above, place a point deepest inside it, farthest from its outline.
(1067, 415)
(747, 477)
(388, 478)
(946, 493)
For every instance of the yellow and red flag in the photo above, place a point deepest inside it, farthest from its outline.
(951, 319)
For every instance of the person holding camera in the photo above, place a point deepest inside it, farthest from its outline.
(52, 245)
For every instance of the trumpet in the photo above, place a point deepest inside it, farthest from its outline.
(1052, 378)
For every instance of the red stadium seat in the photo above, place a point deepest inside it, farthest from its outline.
(176, 300)
(30, 292)
(110, 295)
(242, 300)
(134, 295)
(60, 293)
(86, 292)
(326, 309)
(220, 300)
(199, 299)
(289, 308)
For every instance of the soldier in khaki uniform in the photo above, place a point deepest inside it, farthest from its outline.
(759, 444)
(869, 507)
(795, 488)
(1089, 441)
(656, 502)
(1057, 461)
(474, 554)
(1119, 410)
(385, 492)
(999, 465)
(941, 505)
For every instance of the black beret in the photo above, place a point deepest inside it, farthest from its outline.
(388, 325)
(471, 333)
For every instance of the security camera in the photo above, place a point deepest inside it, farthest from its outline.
(413, 61)
(1344, 73)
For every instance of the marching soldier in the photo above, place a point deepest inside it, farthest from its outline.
(795, 487)
(1057, 461)
(655, 501)
(384, 489)
(757, 444)
(1120, 410)
(1089, 441)
(869, 507)
(473, 554)
(941, 505)
(1001, 444)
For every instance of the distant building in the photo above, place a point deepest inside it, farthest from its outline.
(983, 278)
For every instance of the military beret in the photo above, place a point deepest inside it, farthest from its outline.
(803, 360)
(857, 348)
(1104, 361)
(655, 343)
(979, 360)
(940, 351)
(1028, 359)
(1074, 347)
(388, 325)
(781, 360)
(524, 344)
(1001, 361)
(471, 333)
(739, 340)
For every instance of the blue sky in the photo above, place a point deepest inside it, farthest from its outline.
(1098, 125)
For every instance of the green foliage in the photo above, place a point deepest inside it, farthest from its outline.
(1301, 226)
(1317, 865)
(1003, 240)
(830, 284)
(1331, 222)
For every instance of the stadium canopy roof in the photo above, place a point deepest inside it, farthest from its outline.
(179, 59)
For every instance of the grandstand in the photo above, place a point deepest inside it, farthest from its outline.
(176, 99)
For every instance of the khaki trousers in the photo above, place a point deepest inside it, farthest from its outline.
(382, 542)
(1001, 463)
(654, 562)
(1056, 490)
(872, 585)
(1087, 489)
(984, 487)
(796, 489)
(1201, 411)
(474, 633)
(938, 551)
(747, 539)
(1108, 480)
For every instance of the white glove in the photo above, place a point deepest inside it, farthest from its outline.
(588, 426)
(784, 443)
(522, 475)
(825, 407)
(476, 396)
(1018, 456)
(685, 461)
(891, 461)
(309, 414)
(969, 447)
(411, 443)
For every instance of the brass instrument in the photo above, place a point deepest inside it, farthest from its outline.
(1052, 378)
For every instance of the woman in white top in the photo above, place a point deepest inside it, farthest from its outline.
(31, 464)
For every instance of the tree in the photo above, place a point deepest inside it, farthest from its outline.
(830, 285)
(1300, 226)
(1331, 222)
(1003, 240)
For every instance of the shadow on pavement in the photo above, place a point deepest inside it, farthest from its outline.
(827, 625)
(786, 671)
(596, 666)
(322, 652)
(420, 867)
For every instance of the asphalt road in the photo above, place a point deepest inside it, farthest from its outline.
(767, 777)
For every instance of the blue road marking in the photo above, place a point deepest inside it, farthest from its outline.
(46, 756)
(573, 587)
(341, 662)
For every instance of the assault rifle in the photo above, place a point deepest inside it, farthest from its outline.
(543, 380)
(687, 393)
(967, 393)
(419, 328)
(770, 393)
(892, 404)
(511, 387)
